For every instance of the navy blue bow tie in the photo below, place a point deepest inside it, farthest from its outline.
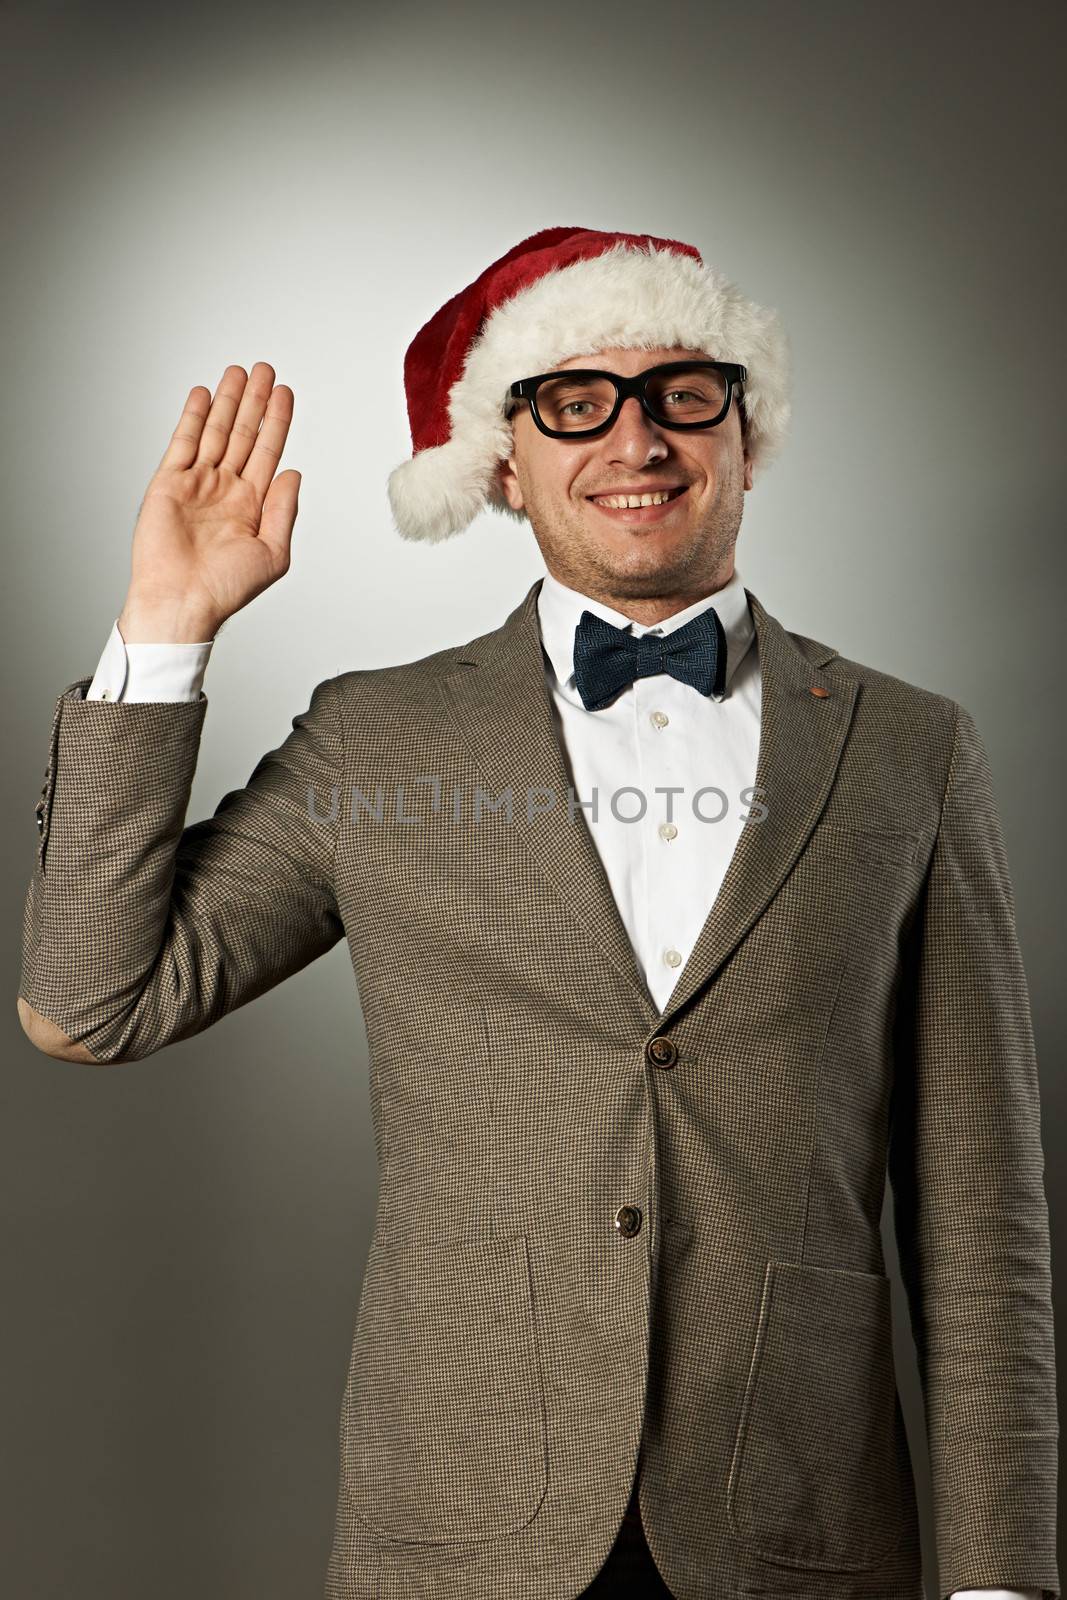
(607, 659)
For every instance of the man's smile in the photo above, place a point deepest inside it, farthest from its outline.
(651, 506)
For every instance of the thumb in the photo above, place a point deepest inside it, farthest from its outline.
(279, 514)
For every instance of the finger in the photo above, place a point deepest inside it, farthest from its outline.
(279, 515)
(216, 434)
(181, 451)
(245, 426)
(270, 441)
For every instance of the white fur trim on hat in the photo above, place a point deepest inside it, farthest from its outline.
(629, 297)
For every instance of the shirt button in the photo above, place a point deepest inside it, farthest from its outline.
(668, 830)
(672, 957)
(659, 719)
(628, 1220)
(105, 694)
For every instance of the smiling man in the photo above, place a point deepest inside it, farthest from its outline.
(643, 504)
(701, 930)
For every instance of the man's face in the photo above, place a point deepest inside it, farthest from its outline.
(684, 549)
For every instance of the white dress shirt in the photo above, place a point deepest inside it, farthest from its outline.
(665, 854)
(148, 671)
(666, 864)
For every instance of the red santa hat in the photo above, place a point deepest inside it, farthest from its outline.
(561, 293)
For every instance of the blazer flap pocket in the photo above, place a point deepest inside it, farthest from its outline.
(872, 844)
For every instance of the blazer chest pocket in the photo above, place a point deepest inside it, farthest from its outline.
(820, 1463)
(877, 847)
(443, 1423)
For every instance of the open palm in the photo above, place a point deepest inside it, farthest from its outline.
(215, 525)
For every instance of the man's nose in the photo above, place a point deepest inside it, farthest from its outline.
(633, 429)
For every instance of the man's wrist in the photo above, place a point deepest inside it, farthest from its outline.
(147, 622)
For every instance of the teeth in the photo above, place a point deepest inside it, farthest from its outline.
(620, 502)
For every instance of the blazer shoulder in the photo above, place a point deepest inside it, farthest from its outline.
(906, 722)
(891, 694)
(404, 681)
(415, 679)
(887, 688)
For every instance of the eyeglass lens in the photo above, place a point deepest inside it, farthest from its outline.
(570, 403)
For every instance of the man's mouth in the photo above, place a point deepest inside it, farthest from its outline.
(635, 510)
(622, 502)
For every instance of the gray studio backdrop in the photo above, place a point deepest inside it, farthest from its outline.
(184, 1237)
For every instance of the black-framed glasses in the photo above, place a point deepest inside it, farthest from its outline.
(678, 394)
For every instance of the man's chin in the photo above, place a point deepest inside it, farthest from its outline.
(639, 545)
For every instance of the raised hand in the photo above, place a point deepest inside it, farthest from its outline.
(215, 525)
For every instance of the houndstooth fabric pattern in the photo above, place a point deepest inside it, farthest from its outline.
(606, 1232)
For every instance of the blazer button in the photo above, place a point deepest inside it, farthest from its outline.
(628, 1221)
(661, 1051)
(38, 812)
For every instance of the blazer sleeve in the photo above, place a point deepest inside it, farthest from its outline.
(139, 931)
(966, 1169)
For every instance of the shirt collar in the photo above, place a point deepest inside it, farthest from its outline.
(559, 610)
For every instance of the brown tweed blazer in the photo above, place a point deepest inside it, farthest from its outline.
(601, 1228)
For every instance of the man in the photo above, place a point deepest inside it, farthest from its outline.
(638, 1071)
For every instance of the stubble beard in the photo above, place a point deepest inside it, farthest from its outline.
(589, 565)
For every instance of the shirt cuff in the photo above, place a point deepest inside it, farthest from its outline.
(130, 672)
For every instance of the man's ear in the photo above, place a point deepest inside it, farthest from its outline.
(509, 483)
(748, 470)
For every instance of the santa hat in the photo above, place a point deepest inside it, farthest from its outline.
(561, 293)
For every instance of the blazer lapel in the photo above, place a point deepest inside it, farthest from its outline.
(500, 703)
(802, 736)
